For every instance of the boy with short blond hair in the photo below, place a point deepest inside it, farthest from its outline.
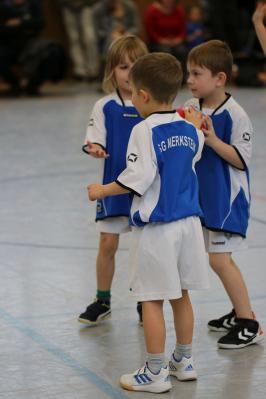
(160, 172)
(224, 184)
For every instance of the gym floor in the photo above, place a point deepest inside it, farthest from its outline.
(48, 247)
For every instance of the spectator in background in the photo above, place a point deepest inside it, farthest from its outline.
(224, 22)
(195, 27)
(112, 20)
(27, 58)
(258, 20)
(77, 16)
(165, 24)
(20, 22)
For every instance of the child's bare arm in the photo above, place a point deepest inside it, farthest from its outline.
(99, 191)
(258, 20)
(225, 151)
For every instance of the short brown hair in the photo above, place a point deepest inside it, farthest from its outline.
(160, 73)
(214, 55)
(128, 45)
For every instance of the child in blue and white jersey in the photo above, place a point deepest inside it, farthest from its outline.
(168, 255)
(224, 184)
(110, 125)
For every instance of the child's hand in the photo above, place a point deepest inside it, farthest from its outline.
(95, 191)
(208, 131)
(96, 150)
(193, 116)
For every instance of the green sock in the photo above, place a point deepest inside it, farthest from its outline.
(104, 296)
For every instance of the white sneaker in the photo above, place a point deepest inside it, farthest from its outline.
(144, 380)
(183, 370)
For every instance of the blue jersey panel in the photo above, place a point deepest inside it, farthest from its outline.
(119, 122)
(239, 215)
(215, 185)
(175, 147)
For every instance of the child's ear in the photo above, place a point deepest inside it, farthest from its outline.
(144, 95)
(221, 79)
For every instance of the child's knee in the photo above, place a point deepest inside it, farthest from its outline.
(219, 262)
(108, 245)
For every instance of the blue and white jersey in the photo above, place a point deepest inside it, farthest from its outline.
(110, 126)
(224, 189)
(161, 157)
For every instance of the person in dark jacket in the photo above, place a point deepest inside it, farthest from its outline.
(21, 21)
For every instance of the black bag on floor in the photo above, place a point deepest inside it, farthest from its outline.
(43, 59)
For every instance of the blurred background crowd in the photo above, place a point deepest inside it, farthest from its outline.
(52, 40)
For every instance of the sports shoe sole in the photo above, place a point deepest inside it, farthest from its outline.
(218, 329)
(153, 388)
(257, 339)
(102, 317)
(192, 377)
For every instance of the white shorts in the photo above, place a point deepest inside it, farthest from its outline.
(166, 258)
(114, 225)
(220, 242)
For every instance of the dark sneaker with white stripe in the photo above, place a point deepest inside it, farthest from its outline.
(95, 312)
(225, 323)
(245, 332)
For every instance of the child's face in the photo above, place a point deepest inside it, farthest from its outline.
(121, 75)
(201, 81)
(195, 14)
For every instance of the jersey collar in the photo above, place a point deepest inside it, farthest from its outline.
(219, 106)
(163, 112)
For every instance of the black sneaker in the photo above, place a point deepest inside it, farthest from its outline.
(245, 332)
(95, 312)
(225, 323)
(139, 310)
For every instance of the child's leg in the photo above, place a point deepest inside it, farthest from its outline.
(153, 376)
(245, 330)
(183, 318)
(105, 267)
(181, 363)
(154, 326)
(105, 264)
(232, 279)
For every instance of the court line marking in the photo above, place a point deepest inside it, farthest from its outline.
(258, 220)
(48, 246)
(66, 359)
(79, 248)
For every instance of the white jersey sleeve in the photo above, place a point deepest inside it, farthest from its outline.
(141, 161)
(242, 133)
(96, 130)
(201, 144)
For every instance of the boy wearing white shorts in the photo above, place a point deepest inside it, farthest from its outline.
(168, 255)
(224, 184)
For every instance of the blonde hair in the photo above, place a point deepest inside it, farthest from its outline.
(128, 45)
(160, 73)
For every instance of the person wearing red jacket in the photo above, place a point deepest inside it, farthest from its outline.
(165, 24)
